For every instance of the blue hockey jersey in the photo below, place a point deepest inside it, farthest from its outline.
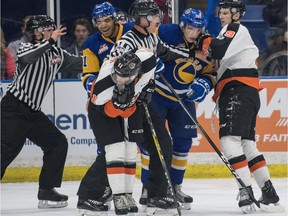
(181, 72)
(96, 48)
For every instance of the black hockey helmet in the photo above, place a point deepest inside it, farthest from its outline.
(127, 66)
(143, 8)
(122, 16)
(234, 5)
(39, 22)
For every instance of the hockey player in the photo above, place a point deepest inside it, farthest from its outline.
(185, 75)
(140, 36)
(113, 108)
(237, 96)
(21, 115)
(145, 14)
(92, 192)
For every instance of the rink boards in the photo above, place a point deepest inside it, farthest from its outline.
(65, 106)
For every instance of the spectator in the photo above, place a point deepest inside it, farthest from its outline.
(14, 46)
(81, 30)
(7, 61)
(275, 14)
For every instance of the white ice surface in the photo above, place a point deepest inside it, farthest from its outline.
(215, 197)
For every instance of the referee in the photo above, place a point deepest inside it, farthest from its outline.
(21, 115)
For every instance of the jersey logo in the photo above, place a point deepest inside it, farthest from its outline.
(229, 34)
(184, 72)
(103, 48)
(56, 59)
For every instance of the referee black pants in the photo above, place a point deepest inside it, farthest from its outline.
(19, 122)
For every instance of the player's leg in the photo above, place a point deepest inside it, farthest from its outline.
(182, 130)
(157, 182)
(236, 111)
(257, 162)
(54, 145)
(14, 129)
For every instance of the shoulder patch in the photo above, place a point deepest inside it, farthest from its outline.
(229, 34)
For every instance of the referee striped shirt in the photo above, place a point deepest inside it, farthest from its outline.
(36, 68)
(134, 40)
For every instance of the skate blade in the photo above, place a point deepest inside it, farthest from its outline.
(248, 209)
(46, 204)
(273, 208)
(144, 208)
(185, 206)
(153, 211)
(84, 212)
(108, 203)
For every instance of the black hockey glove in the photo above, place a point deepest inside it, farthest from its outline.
(146, 93)
(204, 42)
(123, 96)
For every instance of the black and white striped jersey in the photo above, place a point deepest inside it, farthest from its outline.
(36, 68)
(103, 88)
(134, 40)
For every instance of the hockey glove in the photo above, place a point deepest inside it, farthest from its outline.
(199, 89)
(89, 84)
(204, 42)
(146, 93)
(122, 98)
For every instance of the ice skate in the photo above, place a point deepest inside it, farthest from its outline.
(91, 207)
(245, 203)
(161, 206)
(144, 197)
(121, 206)
(183, 199)
(50, 198)
(270, 197)
(132, 206)
(107, 197)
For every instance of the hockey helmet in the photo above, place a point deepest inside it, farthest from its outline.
(102, 10)
(126, 66)
(144, 8)
(39, 22)
(234, 5)
(122, 16)
(193, 17)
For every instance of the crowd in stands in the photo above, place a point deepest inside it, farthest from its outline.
(274, 14)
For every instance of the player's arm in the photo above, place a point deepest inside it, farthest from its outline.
(219, 46)
(29, 53)
(169, 52)
(90, 69)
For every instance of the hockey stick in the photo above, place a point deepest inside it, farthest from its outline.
(161, 157)
(268, 208)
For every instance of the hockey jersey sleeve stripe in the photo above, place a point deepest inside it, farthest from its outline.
(148, 64)
(103, 84)
(219, 46)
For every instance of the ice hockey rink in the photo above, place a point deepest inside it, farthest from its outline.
(212, 197)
